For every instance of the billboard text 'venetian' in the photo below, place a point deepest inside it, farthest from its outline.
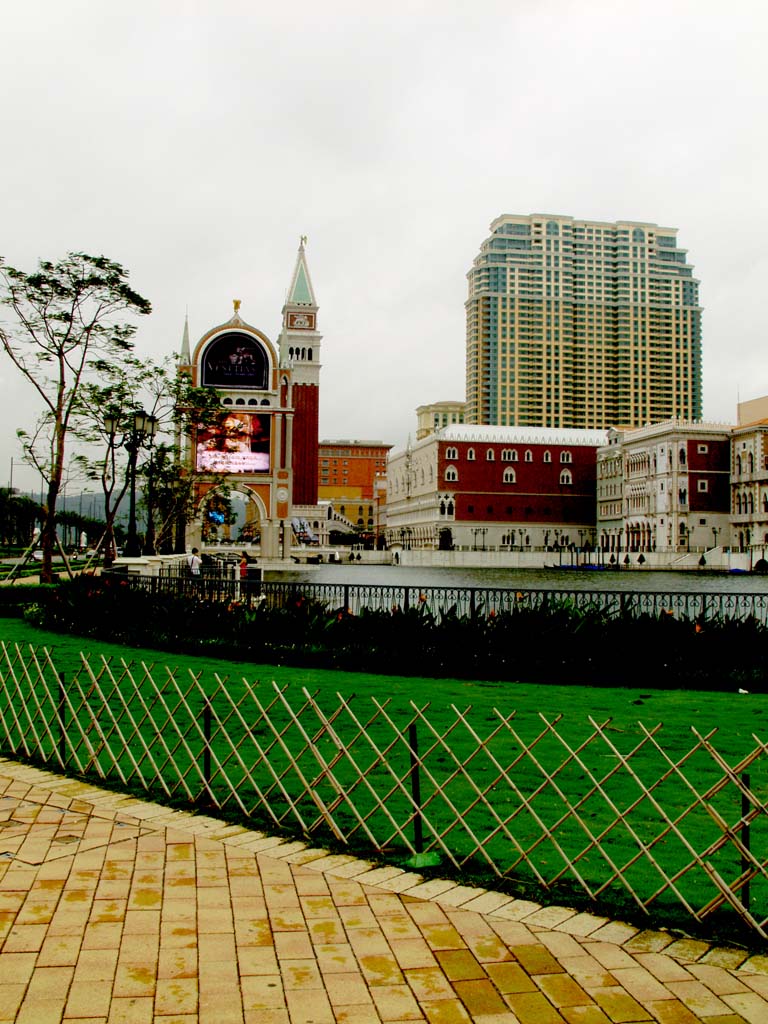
(238, 443)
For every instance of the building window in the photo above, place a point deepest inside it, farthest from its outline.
(703, 486)
(566, 457)
(470, 454)
(547, 456)
(489, 455)
(506, 455)
(702, 449)
(451, 474)
(528, 455)
(566, 477)
(451, 453)
(509, 476)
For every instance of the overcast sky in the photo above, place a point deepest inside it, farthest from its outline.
(195, 142)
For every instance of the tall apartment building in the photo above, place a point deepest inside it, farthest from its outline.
(584, 324)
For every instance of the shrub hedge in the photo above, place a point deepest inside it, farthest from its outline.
(560, 644)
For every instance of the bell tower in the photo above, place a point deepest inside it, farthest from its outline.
(299, 346)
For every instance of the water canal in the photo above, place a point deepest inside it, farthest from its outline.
(640, 580)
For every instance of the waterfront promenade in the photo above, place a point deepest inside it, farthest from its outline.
(114, 910)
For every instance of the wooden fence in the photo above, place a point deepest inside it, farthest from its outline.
(664, 821)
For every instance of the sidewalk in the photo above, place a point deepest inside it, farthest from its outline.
(121, 911)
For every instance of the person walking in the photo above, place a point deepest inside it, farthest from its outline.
(194, 561)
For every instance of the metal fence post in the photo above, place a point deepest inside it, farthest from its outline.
(413, 745)
(746, 864)
(61, 715)
(207, 719)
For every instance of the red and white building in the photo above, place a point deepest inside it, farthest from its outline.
(474, 487)
(664, 487)
(265, 442)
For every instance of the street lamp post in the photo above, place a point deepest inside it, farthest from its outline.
(142, 426)
(149, 536)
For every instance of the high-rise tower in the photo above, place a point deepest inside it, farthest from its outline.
(574, 323)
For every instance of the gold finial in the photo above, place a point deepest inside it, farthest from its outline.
(303, 240)
(236, 303)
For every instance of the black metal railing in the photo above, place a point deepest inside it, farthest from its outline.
(355, 597)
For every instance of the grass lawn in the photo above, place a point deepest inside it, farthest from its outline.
(536, 796)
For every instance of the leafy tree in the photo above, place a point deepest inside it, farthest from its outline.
(64, 318)
(120, 390)
(18, 515)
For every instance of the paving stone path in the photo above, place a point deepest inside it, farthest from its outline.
(118, 911)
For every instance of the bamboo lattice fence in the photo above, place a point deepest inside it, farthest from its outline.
(663, 821)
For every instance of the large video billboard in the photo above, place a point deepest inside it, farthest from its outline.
(238, 443)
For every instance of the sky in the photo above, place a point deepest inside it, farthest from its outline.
(195, 142)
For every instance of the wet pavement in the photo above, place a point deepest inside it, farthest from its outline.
(114, 910)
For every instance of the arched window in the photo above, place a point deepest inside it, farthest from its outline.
(682, 456)
(750, 463)
(513, 455)
(738, 504)
(738, 465)
(451, 474)
(442, 508)
(553, 227)
(528, 455)
(508, 476)
(451, 453)
(765, 502)
(450, 508)
(547, 456)
(566, 457)
(490, 455)
(506, 454)
(638, 235)
(751, 500)
(470, 454)
(309, 354)
(566, 477)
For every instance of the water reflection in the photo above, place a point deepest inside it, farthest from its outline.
(536, 579)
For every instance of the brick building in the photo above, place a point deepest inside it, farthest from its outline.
(475, 487)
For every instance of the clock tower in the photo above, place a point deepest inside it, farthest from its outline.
(299, 346)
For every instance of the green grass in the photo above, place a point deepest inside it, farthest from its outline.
(735, 717)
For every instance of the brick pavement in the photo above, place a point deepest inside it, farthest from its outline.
(118, 911)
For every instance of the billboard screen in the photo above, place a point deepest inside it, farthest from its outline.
(238, 443)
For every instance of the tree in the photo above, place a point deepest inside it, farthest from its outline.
(18, 516)
(120, 390)
(65, 317)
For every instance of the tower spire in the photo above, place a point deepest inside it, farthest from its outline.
(300, 291)
(186, 355)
